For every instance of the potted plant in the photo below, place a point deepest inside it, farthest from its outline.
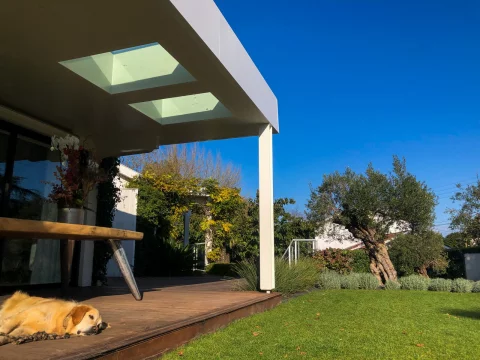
(77, 175)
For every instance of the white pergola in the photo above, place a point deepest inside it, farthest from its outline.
(131, 76)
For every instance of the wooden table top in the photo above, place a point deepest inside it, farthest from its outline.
(18, 228)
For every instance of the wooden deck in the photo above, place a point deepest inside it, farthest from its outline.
(172, 312)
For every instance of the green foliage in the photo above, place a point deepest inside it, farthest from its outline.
(476, 287)
(352, 200)
(419, 252)
(342, 261)
(337, 260)
(361, 261)
(367, 281)
(456, 264)
(214, 255)
(220, 269)
(157, 256)
(440, 285)
(247, 270)
(465, 219)
(456, 240)
(329, 280)
(414, 282)
(392, 285)
(369, 204)
(462, 286)
(299, 277)
(288, 280)
(351, 281)
(108, 196)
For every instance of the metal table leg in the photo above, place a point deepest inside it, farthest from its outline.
(121, 259)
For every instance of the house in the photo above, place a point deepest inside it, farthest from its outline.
(125, 216)
(177, 73)
(336, 236)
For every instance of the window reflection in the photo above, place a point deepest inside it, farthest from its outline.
(27, 261)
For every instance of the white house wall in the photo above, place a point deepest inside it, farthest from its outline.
(125, 217)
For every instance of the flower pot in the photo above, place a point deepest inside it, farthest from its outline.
(71, 216)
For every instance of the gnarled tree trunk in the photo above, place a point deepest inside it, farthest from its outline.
(422, 270)
(380, 264)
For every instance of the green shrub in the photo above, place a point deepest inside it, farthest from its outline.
(337, 260)
(367, 281)
(361, 261)
(418, 253)
(392, 285)
(288, 280)
(350, 281)
(462, 286)
(440, 285)
(476, 287)
(329, 280)
(220, 269)
(456, 264)
(414, 282)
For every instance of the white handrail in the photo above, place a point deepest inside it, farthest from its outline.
(296, 249)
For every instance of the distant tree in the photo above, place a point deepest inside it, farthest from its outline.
(186, 162)
(421, 253)
(466, 219)
(456, 240)
(288, 225)
(369, 204)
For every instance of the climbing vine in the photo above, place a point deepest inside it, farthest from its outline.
(165, 198)
(107, 198)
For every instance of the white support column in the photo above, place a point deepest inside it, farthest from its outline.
(267, 260)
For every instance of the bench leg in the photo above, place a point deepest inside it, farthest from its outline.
(121, 259)
(66, 257)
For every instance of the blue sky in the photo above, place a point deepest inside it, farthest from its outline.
(360, 81)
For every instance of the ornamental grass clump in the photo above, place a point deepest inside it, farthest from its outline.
(392, 285)
(414, 282)
(329, 280)
(298, 277)
(440, 285)
(462, 286)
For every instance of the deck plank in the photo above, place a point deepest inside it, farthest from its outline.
(164, 311)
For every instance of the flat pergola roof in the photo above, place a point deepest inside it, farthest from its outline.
(130, 75)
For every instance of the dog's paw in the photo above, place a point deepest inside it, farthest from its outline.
(4, 340)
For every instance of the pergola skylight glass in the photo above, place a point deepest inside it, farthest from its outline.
(183, 109)
(140, 67)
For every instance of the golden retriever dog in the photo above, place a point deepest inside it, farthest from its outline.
(24, 315)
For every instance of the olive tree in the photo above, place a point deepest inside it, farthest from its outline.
(420, 252)
(369, 205)
(466, 219)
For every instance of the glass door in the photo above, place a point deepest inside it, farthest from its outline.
(28, 177)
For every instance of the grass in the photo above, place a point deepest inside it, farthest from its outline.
(351, 324)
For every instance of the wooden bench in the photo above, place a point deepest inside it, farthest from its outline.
(68, 234)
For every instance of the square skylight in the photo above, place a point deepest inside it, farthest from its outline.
(136, 68)
(183, 109)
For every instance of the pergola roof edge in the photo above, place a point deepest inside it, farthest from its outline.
(211, 26)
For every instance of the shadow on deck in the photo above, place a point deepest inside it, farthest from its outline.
(172, 312)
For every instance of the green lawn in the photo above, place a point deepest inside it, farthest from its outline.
(351, 324)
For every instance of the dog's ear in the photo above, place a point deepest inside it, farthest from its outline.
(78, 312)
